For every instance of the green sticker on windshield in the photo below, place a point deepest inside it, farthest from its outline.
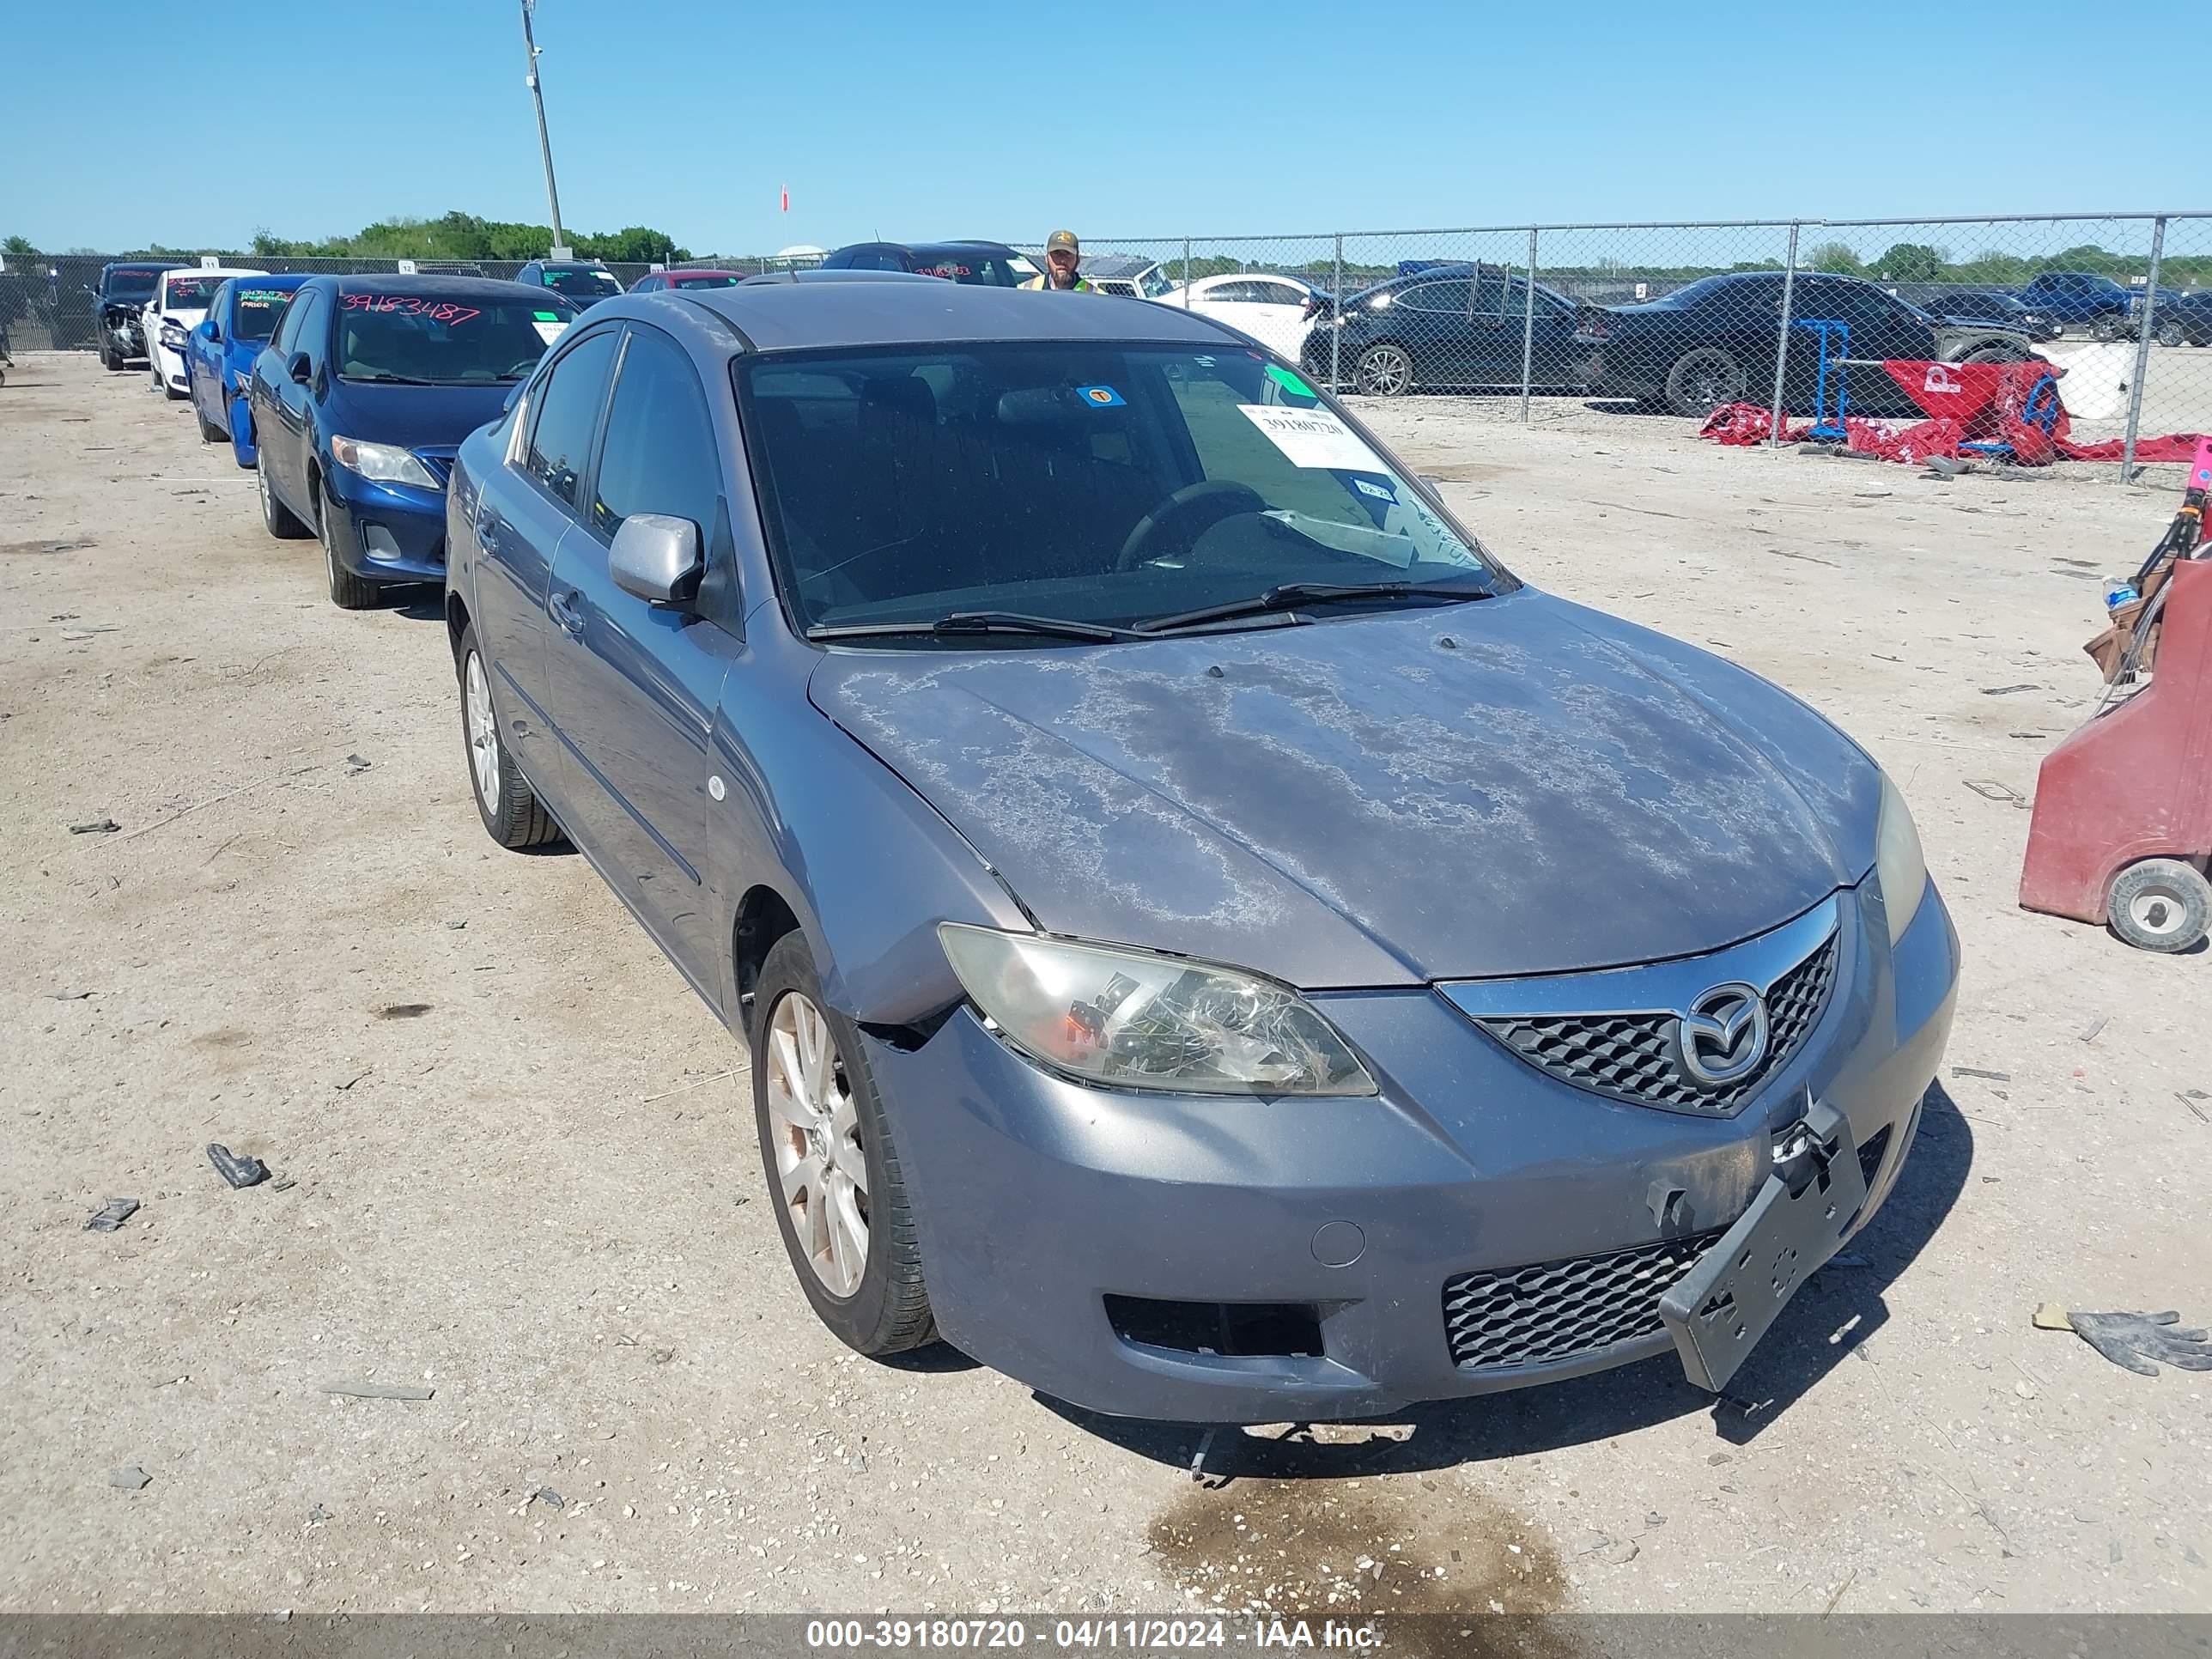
(1290, 382)
(546, 316)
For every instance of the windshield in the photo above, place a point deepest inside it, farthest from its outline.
(1096, 482)
(136, 286)
(190, 293)
(254, 312)
(1153, 283)
(723, 280)
(974, 267)
(467, 340)
(580, 283)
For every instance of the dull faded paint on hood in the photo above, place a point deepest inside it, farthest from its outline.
(1352, 803)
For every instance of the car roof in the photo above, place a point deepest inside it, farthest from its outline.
(148, 264)
(680, 273)
(799, 315)
(571, 264)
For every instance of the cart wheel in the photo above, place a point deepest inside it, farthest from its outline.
(2160, 904)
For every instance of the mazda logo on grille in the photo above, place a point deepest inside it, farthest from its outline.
(1722, 1038)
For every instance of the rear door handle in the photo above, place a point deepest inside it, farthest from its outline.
(563, 609)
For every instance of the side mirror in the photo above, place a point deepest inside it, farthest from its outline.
(299, 368)
(656, 557)
(209, 332)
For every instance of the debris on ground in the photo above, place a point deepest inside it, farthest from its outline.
(319, 1513)
(2007, 690)
(2089, 1035)
(95, 827)
(1198, 1457)
(2133, 1341)
(118, 1211)
(357, 764)
(238, 1172)
(551, 1499)
(69, 996)
(1976, 1071)
(364, 1389)
(1623, 1552)
(1989, 789)
(458, 923)
(131, 1478)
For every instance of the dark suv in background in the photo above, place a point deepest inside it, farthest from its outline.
(119, 326)
(989, 264)
(2080, 301)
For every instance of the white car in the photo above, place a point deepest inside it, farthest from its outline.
(1269, 307)
(180, 305)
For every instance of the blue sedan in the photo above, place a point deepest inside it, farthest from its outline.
(359, 401)
(219, 356)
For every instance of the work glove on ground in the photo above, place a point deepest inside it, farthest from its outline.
(2135, 1339)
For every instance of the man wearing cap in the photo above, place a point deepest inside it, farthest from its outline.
(1063, 255)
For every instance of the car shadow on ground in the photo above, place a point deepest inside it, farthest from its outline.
(423, 603)
(1830, 1321)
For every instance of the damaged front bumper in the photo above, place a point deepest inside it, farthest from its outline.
(1479, 1225)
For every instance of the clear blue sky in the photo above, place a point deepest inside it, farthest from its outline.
(1116, 117)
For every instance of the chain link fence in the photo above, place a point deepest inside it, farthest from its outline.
(1685, 319)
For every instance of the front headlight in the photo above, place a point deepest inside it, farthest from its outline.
(172, 336)
(1897, 862)
(1131, 1019)
(382, 463)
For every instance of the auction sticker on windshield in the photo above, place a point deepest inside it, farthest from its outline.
(1313, 437)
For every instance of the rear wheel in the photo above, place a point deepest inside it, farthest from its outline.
(1704, 380)
(2160, 904)
(833, 1172)
(210, 432)
(2105, 330)
(348, 590)
(511, 813)
(1383, 371)
(2169, 332)
(108, 360)
(277, 519)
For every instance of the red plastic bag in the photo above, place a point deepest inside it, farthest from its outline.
(1745, 424)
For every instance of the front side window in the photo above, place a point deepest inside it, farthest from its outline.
(1099, 483)
(658, 455)
(568, 412)
(299, 323)
(467, 339)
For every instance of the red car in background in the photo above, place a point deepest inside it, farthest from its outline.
(654, 282)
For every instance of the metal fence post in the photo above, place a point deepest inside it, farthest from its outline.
(1782, 340)
(1528, 328)
(2143, 325)
(1186, 273)
(1336, 313)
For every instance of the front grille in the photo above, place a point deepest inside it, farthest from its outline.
(1561, 1311)
(1631, 1057)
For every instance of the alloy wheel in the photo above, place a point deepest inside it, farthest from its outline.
(816, 1131)
(483, 733)
(1384, 372)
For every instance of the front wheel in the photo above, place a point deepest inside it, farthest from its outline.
(832, 1171)
(348, 590)
(1704, 380)
(2160, 904)
(1383, 371)
(511, 813)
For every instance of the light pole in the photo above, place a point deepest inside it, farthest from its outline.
(544, 143)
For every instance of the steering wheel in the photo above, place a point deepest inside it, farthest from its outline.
(1200, 506)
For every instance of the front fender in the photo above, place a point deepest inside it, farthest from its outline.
(866, 865)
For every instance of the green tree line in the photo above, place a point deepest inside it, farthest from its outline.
(456, 236)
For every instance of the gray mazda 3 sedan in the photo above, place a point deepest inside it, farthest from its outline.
(1210, 943)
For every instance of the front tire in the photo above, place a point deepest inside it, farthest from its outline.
(2160, 904)
(832, 1168)
(1704, 378)
(278, 519)
(1383, 371)
(348, 590)
(511, 813)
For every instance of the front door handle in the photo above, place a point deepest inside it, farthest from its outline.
(561, 607)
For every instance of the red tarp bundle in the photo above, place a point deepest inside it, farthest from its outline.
(1967, 403)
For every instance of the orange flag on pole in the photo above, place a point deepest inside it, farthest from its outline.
(786, 198)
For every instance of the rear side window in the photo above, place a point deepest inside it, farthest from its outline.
(568, 411)
(659, 454)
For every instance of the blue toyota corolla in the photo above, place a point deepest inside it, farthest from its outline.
(219, 353)
(359, 401)
(1209, 941)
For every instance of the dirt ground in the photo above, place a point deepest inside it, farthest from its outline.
(515, 1160)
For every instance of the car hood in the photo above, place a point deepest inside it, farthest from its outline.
(1357, 803)
(415, 416)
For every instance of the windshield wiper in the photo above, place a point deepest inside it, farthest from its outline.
(382, 378)
(1289, 595)
(979, 621)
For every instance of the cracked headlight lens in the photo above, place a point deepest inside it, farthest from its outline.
(1897, 862)
(1133, 1020)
